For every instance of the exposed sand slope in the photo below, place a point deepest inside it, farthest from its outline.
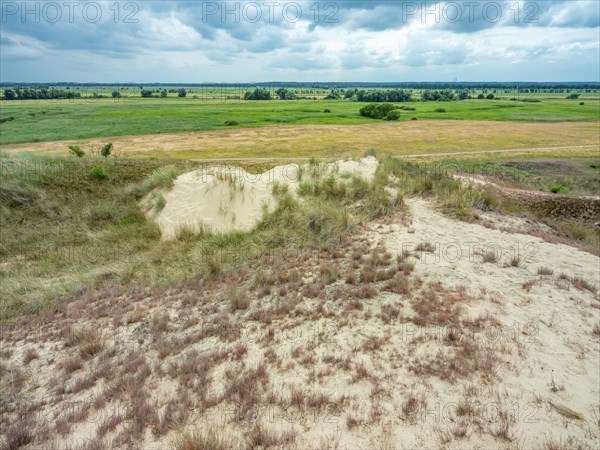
(224, 199)
(465, 354)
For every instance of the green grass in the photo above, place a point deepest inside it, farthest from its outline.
(39, 121)
(63, 230)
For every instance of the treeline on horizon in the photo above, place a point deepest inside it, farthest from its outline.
(457, 85)
(260, 93)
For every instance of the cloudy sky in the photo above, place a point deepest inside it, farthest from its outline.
(251, 41)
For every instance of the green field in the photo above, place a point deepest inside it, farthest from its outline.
(51, 120)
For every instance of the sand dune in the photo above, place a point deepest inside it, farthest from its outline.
(224, 199)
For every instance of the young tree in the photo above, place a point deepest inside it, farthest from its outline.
(106, 150)
(75, 150)
(181, 93)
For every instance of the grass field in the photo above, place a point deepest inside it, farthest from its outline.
(339, 140)
(48, 120)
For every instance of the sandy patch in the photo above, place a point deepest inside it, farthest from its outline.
(223, 199)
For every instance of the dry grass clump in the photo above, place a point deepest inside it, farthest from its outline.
(238, 299)
(89, 340)
(545, 271)
(489, 256)
(246, 388)
(329, 273)
(425, 246)
(263, 437)
(210, 439)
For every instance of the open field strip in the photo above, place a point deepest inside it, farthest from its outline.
(293, 141)
(52, 120)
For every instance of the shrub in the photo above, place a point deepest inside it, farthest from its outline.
(556, 188)
(231, 123)
(98, 172)
(106, 150)
(326, 110)
(258, 94)
(394, 114)
(377, 110)
(181, 93)
(490, 97)
(116, 94)
(440, 110)
(74, 149)
(7, 119)
(481, 96)
(582, 103)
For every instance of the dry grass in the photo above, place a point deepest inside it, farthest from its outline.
(238, 299)
(88, 339)
(264, 437)
(210, 439)
(308, 140)
(545, 271)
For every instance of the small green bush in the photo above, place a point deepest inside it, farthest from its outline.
(377, 110)
(581, 103)
(7, 119)
(106, 150)
(326, 110)
(556, 188)
(75, 150)
(98, 172)
(394, 114)
(440, 110)
(231, 123)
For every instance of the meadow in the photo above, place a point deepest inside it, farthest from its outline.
(53, 120)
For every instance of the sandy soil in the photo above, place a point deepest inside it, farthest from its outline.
(223, 199)
(384, 342)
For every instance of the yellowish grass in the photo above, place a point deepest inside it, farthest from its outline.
(402, 138)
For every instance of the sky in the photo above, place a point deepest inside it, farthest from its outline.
(259, 41)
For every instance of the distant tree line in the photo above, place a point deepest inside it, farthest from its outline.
(39, 94)
(438, 96)
(379, 96)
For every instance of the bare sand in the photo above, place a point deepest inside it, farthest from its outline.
(223, 199)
